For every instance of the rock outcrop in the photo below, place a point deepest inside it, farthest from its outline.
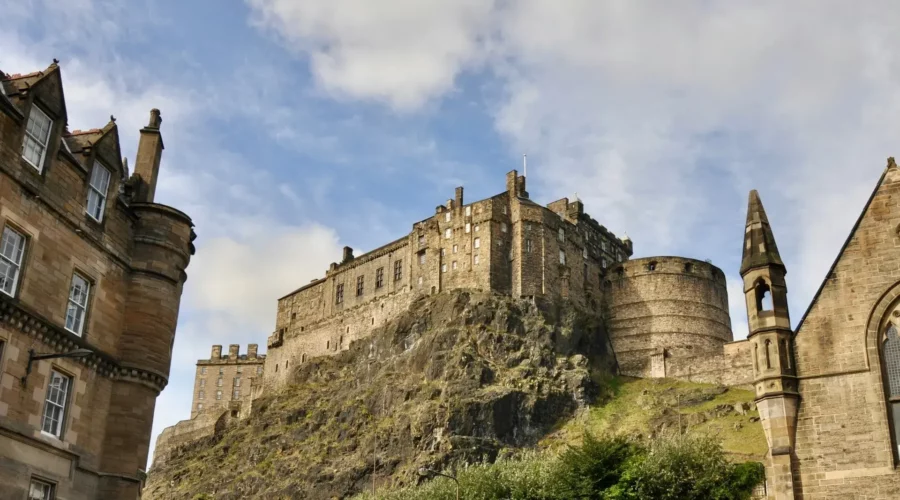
(461, 376)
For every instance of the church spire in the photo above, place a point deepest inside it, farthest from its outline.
(759, 242)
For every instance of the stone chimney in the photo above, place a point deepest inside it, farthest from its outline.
(216, 352)
(521, 187)
(233, 350)
(149, 154)
(459, 197)
(512, 181)
(348, 255)
(251, 351)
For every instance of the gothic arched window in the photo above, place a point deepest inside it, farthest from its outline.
(763, 296)
(890, 359)
(768, 354)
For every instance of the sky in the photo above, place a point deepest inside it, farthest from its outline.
(295, 127)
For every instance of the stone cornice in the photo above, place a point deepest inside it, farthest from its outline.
(18, 317)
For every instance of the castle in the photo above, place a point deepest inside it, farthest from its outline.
(91, 274)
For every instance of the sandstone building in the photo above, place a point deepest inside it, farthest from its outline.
(828, 390)
(226, 382)
(90, 265)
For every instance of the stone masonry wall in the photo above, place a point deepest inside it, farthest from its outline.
(671, 307)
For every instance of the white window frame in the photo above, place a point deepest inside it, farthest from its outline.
(47, 490)
(236, 394)
(218, 395)
(502, 227)
(527, 246)
(562, 235)
(77, 311)
(584, 252)
(477, 243)
(98, 191)
(443, 252)
(199, 406)
(468, 210)
(11, 258)
(477, 227)
(443, 268)
(562, 257)
(455, 248)
(56, 400)
(468, 227)
(448, 233)
(44, 143)
(453, 265)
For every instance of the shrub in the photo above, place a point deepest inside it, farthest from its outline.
(586, 471)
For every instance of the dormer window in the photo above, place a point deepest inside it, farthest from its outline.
(37, 137)
(96, 200)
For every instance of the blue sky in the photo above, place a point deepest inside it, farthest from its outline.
(293, 128)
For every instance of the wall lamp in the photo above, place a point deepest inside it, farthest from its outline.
(425, 472)
(32, 357)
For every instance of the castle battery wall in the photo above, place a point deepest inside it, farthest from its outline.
(668, 314)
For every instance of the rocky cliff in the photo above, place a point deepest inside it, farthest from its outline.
(460, 376)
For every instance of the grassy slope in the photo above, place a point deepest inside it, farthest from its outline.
(647, 406)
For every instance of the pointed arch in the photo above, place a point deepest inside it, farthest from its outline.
(763, 294)
(768, 354)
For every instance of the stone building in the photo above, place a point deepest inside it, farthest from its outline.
(506, 243)
(226, 382)
(828, 392)
(90, 266)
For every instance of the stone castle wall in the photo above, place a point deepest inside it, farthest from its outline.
(505, 243)
(223, 380)
(669, 318)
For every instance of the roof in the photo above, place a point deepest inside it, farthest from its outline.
(890, 164)
(759, 242)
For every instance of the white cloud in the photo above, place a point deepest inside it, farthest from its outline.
(404, 51)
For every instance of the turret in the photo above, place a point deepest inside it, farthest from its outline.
(771, 342)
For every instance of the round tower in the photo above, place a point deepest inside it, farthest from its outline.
(662, 308)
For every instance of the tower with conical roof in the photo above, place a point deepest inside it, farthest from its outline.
(770, 337)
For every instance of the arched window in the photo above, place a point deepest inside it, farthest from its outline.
(768, 354)
(763, 296)
(755, 358)
(890, 359)
(303, 358)
(785, 355)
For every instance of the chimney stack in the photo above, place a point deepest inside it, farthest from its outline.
(233, 350)
(216, 352)
(512, 181)
(251, 351)
(348, 255)
(149, 154)
(459, 197)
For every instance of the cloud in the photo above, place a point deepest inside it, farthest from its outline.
(404, 52)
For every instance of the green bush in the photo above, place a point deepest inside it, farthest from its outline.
(681, 467)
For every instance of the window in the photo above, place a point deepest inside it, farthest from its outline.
(379, 277)
(562, 257)
(688, 268)
(219, 382)
(237, 382)
(890, 358)
(360, 285)
(763, 296)
(448, 233)
(201, 394)
(221, 371)
(469, 210)
(240, 369)
(421, 258)
(503, 209)
(477, 243)
(453, 265)
(12, 247)
(619, 256)
(218, 395)
(78, 297)
(468, 227)
(443, 268)
(40, 490)
(420, 281)
(421, 240)
(202, 382)
(37, 136)
(259, 370)
(339, 294)
(502, 227)
(562, 234)
(768, 354)
(398, 270)
(199, 406)
(55, 404)
(527, 246)
(477, 228)
(651, 266)
(604, 245)
(455, 248)
(99, 186)
(584, 252)
(236, 394)
(447, 217)
(443, 252)
(202, 370)
(603, 263)
(476, 260)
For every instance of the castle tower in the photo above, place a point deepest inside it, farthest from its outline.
(771, 339)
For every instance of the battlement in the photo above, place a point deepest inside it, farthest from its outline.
(233, 356)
